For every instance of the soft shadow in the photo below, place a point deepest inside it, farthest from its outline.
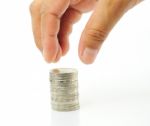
(65, 118)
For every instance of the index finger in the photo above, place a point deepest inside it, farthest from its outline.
(51, 12)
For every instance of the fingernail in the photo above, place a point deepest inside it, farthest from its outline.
(89, 55)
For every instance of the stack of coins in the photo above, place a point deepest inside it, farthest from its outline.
(64, 89)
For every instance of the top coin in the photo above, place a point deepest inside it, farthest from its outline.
(63, 71)
(64, 74)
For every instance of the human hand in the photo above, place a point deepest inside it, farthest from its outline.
(52, 22)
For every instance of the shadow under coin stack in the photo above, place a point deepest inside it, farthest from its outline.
(64, 89)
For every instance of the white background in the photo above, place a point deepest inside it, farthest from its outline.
(114, 91)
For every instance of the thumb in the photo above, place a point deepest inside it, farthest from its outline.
(105, 16)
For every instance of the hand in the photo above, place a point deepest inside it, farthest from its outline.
(52, 22)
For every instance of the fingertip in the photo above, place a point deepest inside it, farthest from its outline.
(88, 55)
(50, 50)
(87, 52)
(46, 56)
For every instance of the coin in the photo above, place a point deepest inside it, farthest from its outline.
(64, 89)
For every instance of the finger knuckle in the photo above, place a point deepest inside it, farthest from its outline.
(117, 6)
(96, 35)
(135, 2)
(34, 7)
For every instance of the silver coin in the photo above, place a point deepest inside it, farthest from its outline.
(65, 108)
(64, 89)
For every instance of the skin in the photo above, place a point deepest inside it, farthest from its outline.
(52, 22)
